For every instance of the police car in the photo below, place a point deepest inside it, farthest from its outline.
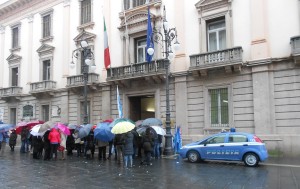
(232, 146)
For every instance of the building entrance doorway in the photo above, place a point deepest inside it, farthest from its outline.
(141, 107)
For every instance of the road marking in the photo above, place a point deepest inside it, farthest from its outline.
(280, 165)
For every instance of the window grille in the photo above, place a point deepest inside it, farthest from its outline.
(28, 111)
(219, 107)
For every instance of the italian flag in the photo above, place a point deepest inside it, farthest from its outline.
(106, 48)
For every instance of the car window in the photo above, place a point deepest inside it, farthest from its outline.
(216, 139)
(237, 138)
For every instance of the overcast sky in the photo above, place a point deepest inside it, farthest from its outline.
(3, 1)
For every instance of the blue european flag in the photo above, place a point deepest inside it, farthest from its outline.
(149, 37)
(120, 107)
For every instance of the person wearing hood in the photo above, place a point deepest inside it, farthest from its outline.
(13, 140)
(54, 137)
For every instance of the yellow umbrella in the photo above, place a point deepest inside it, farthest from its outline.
(122, 127)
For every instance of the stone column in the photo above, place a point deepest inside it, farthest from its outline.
(66, 37)
(2, 47)
(259, 41)
(30, 45)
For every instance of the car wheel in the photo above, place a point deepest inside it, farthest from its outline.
(251, 159)
(193, 156)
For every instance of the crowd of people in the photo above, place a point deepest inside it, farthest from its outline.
(54, 143)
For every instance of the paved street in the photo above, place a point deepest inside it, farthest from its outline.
(21, 171)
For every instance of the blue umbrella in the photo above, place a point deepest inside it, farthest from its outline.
(103, 132)
(85, 130)
(152, 122)
(6, 127)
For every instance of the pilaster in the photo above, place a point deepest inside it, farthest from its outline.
(66, 36)
(29, 50)
(2, 47)
(181, 103)
(106, 103)
(259, 40)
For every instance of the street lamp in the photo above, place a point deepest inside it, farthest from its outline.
(165, 39)
(85, 51)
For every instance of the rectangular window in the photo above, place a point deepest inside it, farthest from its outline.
(216, 35)
(140, 49)
(46, 26)
(82, 111)
(86, 8)
(13, 116)
(14, 77)
(45, 112)
(46, 70)
(219, 116)
(129, 4)
(15, 37)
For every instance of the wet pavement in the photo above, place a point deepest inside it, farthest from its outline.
(21, 171)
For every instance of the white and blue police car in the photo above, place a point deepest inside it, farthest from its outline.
(231, 146)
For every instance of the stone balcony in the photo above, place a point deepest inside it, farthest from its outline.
(153, 72)
(76, 82)
(295, 45)
(42, 88)
(229, 59)
(11, 93)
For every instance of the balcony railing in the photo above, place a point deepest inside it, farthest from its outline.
(10, 91)
(42, 86)
(137, 70)
(295, 44)
(77, 80)
(226, 56)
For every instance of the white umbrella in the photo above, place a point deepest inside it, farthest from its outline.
(159, 130)
(35, 130)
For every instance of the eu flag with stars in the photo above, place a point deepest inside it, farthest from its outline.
(149, 37)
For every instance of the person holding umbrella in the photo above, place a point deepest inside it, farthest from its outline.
(54, 138)
(147, 143)
(13, 140)
(24, 140)
(128, 150)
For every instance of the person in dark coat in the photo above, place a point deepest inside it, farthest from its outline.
(128, 149)
(135, 142)
(13, 140)
(37, 143)
(47, 148)
(118, 143)
(70, 144)
(148, 144)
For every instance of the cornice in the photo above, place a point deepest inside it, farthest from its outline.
(22, 8)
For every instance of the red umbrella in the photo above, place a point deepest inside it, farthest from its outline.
(29, 124)
(108, 120)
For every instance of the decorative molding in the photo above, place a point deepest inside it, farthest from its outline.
(258, 41)
(45, 49)
(66, 3)
(84, 35)
(13, 58)
(30, 18)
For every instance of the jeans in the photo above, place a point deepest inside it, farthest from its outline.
(53, 150)
(126, 158)
(156, 150)
(24, 146)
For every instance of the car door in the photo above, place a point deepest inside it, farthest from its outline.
(235, 146)
(213, 147)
